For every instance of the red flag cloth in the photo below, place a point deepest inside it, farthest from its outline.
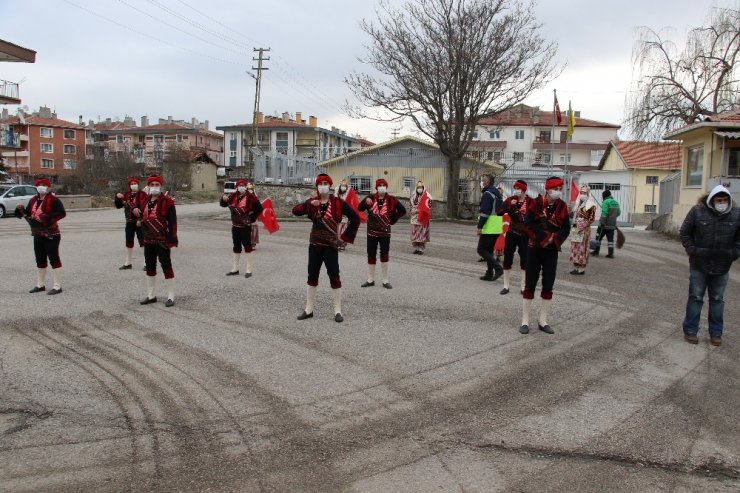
(267, 216)
(354, 202)
(558, 114)
(574, 192)
(425, 214)
(498, 247)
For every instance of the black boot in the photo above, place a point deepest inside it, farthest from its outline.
(611, 253)
(488, 276)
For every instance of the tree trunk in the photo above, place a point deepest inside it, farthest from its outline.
(453, 186)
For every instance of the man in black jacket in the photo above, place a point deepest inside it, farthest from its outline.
(711, 236)
(490, 226)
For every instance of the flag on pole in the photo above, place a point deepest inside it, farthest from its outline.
(574, 191)
(556, 109)
(571, 120)
(267, 216)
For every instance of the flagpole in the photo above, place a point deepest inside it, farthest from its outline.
(552, 133)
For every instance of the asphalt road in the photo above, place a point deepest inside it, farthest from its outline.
(425, 387)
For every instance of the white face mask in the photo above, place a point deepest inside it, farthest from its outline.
(381, 190)
(241, 189)
(134, 187)
(323, 189)
(419, 191)
(584, 197)
(154, 190)
(342, 189)
(42, 189)
(517, 192)
(721, 207)
(555, 194)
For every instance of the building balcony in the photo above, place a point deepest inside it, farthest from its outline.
(11, 154)
(9, 92)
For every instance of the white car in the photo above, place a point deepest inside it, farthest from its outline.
(12, 195)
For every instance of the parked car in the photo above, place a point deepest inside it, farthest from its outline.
(12, 195)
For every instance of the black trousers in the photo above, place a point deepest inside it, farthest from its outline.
(154, 252)
(609, 233)
(132, 230)
(328, 256)
(47, 247)
(485, 250)
(515, 241)
(372, 248)
(242, 237)
(544, 261)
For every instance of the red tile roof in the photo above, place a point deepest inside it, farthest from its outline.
(652, 155)
(42, 122)
(727, 116)
(530, 116)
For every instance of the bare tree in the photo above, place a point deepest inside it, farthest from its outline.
(674, 89)
(444, 64)
(102, 172)
(177, 167)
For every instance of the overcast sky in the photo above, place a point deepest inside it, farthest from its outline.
(182, 58)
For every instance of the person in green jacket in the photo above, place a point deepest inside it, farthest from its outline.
(607, 224)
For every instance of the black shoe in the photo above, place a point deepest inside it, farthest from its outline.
(504, 291)
(148, 301)
(367, 284)
(546, 329)
(144, 268)
(581, 273)
(170, 302)
(595, 254)
(524, 329)
(338, 317)
(37, 289)
(416, 252)
(486, 277)
(387, 285)
(54, 291)
(233, 273)
(574, 272)
(498, 274)
(611, 255)
(481, 259)
(126, 267)
(248, 275)
(304, 315)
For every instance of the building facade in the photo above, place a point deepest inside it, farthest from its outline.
(47, 146)
(526, 136)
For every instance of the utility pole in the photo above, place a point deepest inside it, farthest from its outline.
(258, 84)
(395, 132)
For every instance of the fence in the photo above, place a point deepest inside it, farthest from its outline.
(670, 187)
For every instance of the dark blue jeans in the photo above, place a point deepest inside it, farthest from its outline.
(699, 282)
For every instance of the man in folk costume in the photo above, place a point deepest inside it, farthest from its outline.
(516, 239)
(325, 210)
(43, 212)
(245, 207)
(490, 226)
(383, 210)
(159, 228)
(421, 214)
(133, 199)
(548, 225)
(583, 215)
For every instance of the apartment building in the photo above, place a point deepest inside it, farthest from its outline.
(46, 145)
(525, 136)
(148, 142)
(286, 135)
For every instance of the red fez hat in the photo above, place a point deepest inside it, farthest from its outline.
(132, 179)
(43, 181)
(324, 177)
(241, 182)
(521, 185)
(553, 182)
(156, 178)
(380, 182)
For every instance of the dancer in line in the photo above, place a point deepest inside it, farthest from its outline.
(516, 239)
(132, 199)
(245, 207)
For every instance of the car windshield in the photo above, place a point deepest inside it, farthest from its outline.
(3, 190)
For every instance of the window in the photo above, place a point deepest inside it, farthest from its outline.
(518, 156)
(69, 134)
(159, 139)
(232, 153)
(48, 148)
(119, 139)
(596, 157)
(733, 162)
(544, 136)
(489, 155)
(70, 149)
(495, 134)
(474, 135)
(596, 186)
(281, 142)
(47, 133)
(47, 163)
(70, 164)
(695, 166)
(542, 157)
(408, 183)
(141, 139)
(497, 156)
(179, 137)
(563, 157)
(519, 135)
(651, 180)
(362, 184)
(463, 191)
(651, 208)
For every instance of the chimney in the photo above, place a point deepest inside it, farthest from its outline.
(169, 119)
(107, 121)
(144, 121)
(577, 114)
(207, 124)
(286, 116)
(259, 117)
(298, 117)
(5, 114)
(194, 122)
(313, 121)
(45, 112)
(81, 121)
(129, 122)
